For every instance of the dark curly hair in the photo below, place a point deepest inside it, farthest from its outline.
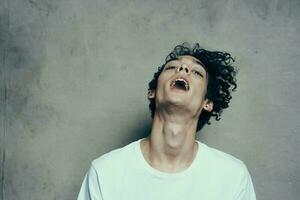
(221, 78)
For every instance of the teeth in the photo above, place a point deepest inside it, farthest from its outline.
(180, 79)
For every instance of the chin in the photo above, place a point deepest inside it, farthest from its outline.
(176, 100)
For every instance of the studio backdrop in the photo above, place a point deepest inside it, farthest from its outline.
(74, 79)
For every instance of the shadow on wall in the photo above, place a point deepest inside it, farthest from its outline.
(141, 130)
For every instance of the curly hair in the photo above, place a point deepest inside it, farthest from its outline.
(221, 79)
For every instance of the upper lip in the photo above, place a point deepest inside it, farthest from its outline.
(182, 78)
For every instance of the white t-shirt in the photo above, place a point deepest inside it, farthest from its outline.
(125, 174)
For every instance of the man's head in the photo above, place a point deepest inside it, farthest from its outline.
(200, 79)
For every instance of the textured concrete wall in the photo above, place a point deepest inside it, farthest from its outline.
(74, 79)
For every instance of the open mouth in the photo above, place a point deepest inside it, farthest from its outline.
(180, 84)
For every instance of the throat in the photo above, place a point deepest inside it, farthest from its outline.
(180, 85)
(166, 161)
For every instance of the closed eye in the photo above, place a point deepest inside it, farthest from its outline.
(197, 72)
(170, 67)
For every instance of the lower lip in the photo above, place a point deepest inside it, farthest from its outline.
(178, 90)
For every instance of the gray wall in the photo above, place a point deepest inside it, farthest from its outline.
(74, 79)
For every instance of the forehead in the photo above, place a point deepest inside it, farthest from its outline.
(188, 60)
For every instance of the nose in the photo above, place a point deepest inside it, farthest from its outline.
(183, 67)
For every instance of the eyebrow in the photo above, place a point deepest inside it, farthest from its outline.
(200, 63)
(196, 61)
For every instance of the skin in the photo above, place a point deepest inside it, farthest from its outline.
(171, 146)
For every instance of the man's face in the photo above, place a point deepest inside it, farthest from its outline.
(183, 82)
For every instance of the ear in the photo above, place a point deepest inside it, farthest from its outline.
(208, 105)
(151, 94)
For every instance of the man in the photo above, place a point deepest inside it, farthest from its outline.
(193, 85)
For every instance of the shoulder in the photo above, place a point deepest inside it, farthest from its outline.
(116, 158)
(228, 171)
(223, 162)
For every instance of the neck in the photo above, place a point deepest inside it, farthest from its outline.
(171, 145)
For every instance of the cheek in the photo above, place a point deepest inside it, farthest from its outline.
(162, 79)
(159, 87)
(200, 93)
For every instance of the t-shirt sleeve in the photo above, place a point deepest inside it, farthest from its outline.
(246, 191)
(90, 188)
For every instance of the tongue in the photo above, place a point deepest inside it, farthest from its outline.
(180, 85)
